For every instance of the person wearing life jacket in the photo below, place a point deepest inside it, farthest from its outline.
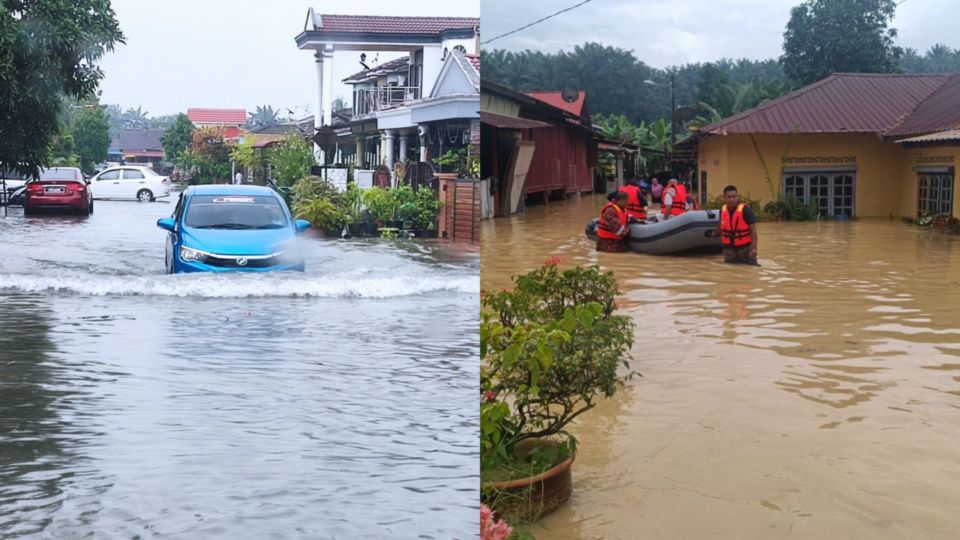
(737, 229)
(673, 202)
(614, 224)
(692, 202)
(636, 202)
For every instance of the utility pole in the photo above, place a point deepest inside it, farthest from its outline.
(673, 108)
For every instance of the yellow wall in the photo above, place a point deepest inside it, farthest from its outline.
(885, 181)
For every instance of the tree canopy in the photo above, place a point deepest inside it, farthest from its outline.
(828, 36)
(177, 137)
(48, 51)
(91, 136)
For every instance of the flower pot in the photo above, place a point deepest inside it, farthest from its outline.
(426, 233)
(355, 230)
(370, 229)
(533, 497)
(333, 233)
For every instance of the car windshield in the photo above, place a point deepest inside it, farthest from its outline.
(58, 174)
(235, 212)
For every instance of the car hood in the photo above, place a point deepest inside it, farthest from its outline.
(238, 242)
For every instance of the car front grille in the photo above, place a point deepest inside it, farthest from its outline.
(229, 261)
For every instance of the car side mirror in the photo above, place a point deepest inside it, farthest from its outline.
(167, 223)
(302, 225)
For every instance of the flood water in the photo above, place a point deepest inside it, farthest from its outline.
(817, 396)
(338, 403)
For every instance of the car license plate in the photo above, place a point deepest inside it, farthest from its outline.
(54, 190)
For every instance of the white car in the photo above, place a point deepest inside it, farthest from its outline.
(130, 182)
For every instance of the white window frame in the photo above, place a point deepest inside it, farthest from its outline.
(812, 178)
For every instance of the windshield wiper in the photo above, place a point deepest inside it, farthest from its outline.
(227, 226)
(270, 226)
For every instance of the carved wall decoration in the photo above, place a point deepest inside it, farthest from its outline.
(818, 160)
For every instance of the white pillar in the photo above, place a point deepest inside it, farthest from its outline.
(404, 137)
(318, 112)
(388, 147)
(328, 89)
(423, 141)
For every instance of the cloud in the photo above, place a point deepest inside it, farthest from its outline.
(668, 32)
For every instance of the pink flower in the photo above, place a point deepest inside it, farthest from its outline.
(490, 395)
(553, 261)
(490, 529)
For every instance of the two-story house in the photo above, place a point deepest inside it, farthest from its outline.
(401, 109)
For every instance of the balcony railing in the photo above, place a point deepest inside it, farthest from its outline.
(371, 100)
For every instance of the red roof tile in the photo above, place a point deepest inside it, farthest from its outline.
(555, 98)
(474, 61)
(841, 103)
(393, 25)
(939, 112)
(218, 116)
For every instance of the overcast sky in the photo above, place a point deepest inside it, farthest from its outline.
(234, 53)
(670, 32)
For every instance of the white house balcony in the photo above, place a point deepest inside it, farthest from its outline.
(368, 101)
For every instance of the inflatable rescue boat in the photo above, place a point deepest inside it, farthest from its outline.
(686, 232)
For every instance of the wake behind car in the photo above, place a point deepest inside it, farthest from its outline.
(223, 228)
(130, 182)
(63, 188)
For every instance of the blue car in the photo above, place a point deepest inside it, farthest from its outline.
(228, 228)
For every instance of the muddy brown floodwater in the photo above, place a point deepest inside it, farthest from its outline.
(817, 396)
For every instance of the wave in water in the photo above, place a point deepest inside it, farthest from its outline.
(241, 285)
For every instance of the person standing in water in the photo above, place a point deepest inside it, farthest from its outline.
(737, 230)
(614, 224)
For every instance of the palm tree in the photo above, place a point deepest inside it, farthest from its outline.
(264, 116)
(135, 118)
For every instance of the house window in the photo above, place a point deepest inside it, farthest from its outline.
(832, 192)
(416, 73)
(461, 49)
(935, 193)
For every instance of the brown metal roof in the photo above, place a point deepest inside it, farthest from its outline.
(510, 122)
(841, 103)
(397, 64)
(394, 25)
(939, 112)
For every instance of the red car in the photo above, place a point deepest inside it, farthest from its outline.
(59, 187)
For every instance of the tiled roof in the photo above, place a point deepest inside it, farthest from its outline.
(139, 139)
(392, 25)
(398, 64)
(841, 103)
(555, 98)
(218, 116)
(939, 112)
(474, 61)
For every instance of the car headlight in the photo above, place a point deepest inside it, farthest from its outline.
(190, 254)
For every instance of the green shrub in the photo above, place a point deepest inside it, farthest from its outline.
(309, 188)
(323, 214)
(380, 203)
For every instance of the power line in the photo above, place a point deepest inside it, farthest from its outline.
(536, 22)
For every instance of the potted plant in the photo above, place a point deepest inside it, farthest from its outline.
(353, 207)
(426, 206)
(324, 215)
(550, 348)
(405, 204)
(380, 204)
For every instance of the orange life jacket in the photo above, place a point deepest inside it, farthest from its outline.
(679, 204)
(734, 231)
(633, 202)
(606, 234)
